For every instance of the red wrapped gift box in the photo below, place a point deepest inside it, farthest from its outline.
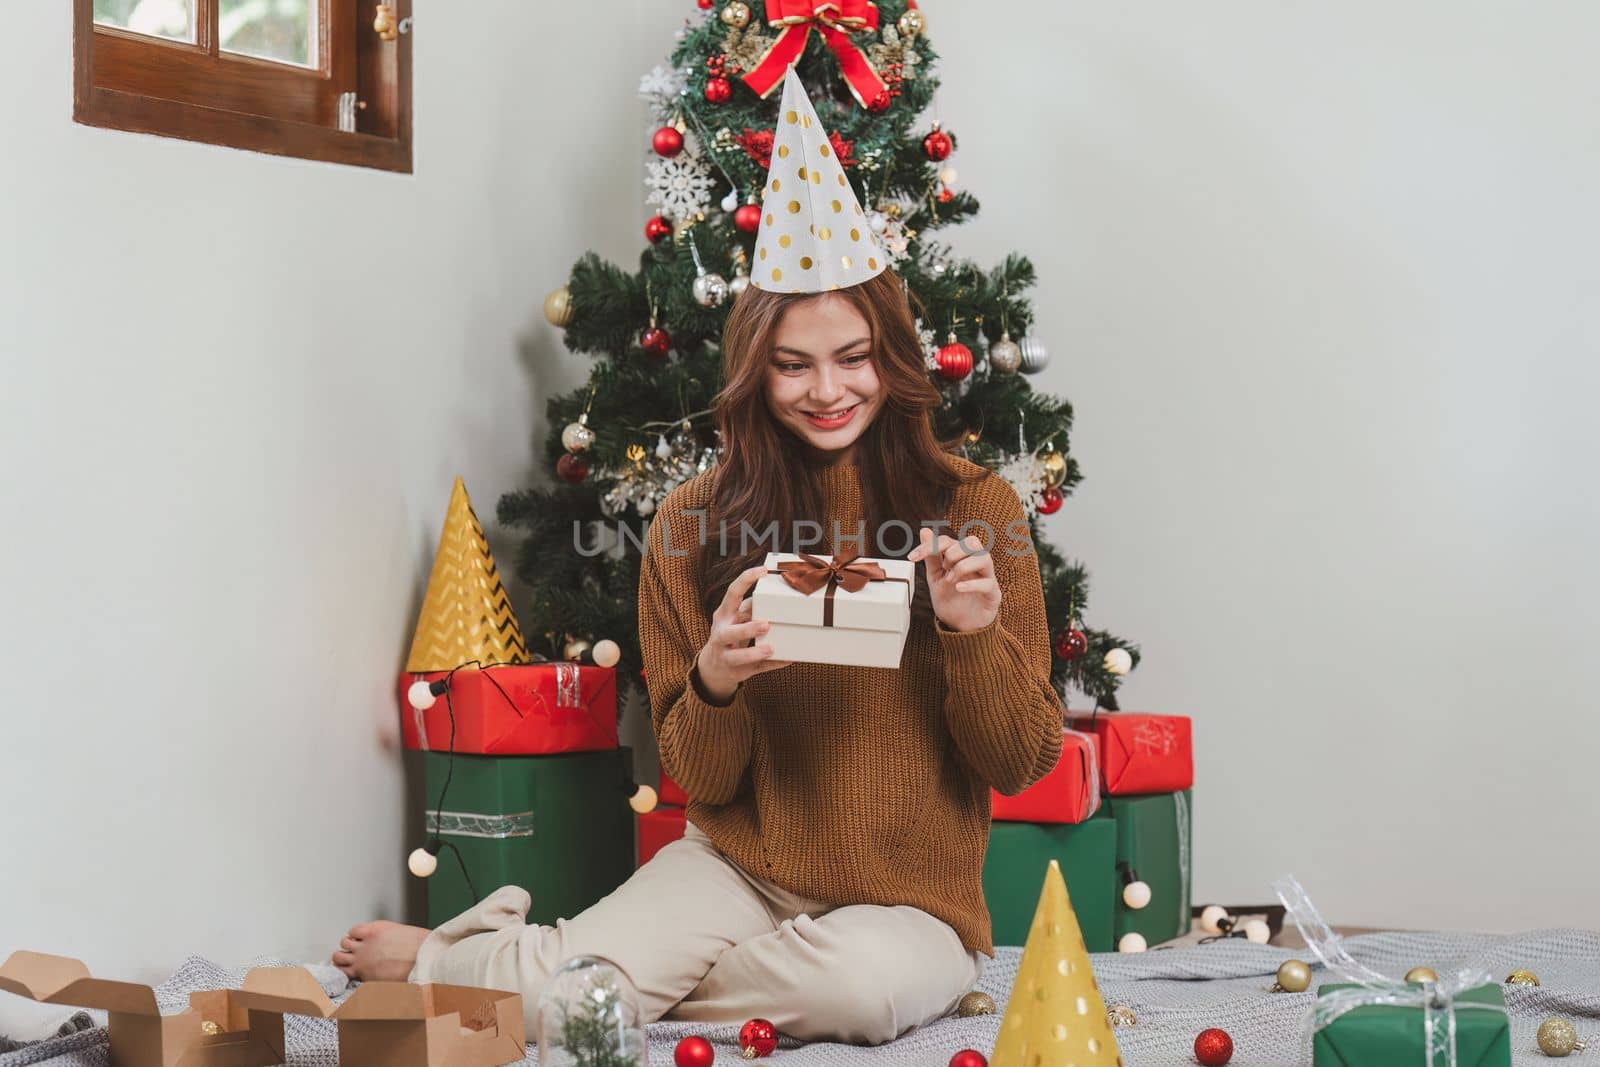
(657, 830)
(534, 709)
(671, 792)
(1070, 793)
(1140, 753)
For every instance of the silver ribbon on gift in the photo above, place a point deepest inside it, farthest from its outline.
(1436, 999)
(481, 824)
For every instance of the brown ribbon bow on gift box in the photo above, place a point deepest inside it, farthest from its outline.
(809, 573)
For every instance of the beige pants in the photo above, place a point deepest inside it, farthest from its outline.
(704, 941)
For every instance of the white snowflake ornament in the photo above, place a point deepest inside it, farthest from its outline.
(680, 187)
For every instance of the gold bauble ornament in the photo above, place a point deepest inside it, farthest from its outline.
(1055, 469)
(912, 23)
(736, 14)
(636, 453)
(1294, 976)
(575, 649)
(975, 1003)
(558, 307)
(1522, 978)
(1121, 1016)
(1557, 1037)
(1422, 974)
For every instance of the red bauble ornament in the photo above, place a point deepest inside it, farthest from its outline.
(657, 228)
(705, 5)
(1213, 1047)
(748, 217)
(880, 102)
(1050, 501)
(667, 142)
(655, 341)
(937, 146)
(757, 1038)
(1070, 643)
(718, 90)
(694, 1052)
(955, 360)
(571, 469)
(968, 1058)
(946, 195)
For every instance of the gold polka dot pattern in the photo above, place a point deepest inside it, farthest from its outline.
(793, 244)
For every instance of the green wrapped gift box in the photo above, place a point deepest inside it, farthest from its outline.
(1153, 834)
(1014, 868)
(559, 826)
(1381, 1035)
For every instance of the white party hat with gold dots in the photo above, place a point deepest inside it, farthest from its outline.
(814, 235)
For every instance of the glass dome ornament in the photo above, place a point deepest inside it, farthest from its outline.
(589, 1016)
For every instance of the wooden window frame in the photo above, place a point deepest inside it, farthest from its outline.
(129, 81)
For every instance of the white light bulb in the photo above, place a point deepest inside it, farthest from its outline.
(1211, 916)
(730, 203)
(422, 862)
(643, 800)
(1132, 942)
(420, 696)
(606, 653)
(1256, 931)
(949, 176)
(1136, 895)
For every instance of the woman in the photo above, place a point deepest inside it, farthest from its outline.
(830, 879)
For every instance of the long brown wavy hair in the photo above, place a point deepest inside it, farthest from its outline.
(765, 474)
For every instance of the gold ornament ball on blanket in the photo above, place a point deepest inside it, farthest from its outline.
(1422, 974)
(1294, 976)
(975, 1003)
(1121, 1016)
(1557, 1037)
(1522, 978)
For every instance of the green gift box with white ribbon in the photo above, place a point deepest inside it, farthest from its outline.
(1396, 1035)
(1014, 866)
(1153, 834)
(559, 826)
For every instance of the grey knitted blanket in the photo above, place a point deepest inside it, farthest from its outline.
(1175, 993)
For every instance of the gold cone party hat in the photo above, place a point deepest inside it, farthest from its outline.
(814, 235)
(1055, 1016)
(466, 614)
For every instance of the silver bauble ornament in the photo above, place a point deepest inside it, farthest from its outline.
(710, 290)
(1005, 356)
(663, 450)
(683, 443)
(577, 436)
(1034, 356)
(739, 283)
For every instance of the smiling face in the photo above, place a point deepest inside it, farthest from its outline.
(821, 365)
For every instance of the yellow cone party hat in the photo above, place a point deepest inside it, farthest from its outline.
(1055, 1016)
(466, 614)
(814, 236)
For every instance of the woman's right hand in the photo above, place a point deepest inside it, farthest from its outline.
(728, 657)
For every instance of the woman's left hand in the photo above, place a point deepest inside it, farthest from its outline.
(961, 581)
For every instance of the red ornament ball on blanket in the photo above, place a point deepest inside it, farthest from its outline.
(694, 1052)
(968, 1058)
(1213, 1047)
(757, 1038)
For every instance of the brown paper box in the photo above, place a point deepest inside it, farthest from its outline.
(392, 1024)
(397, 1024)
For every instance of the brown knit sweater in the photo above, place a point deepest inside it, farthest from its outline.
(858, 785)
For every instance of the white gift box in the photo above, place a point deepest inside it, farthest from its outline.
(866, 628)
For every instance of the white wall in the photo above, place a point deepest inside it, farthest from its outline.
(1315, 281)
(236, 390)
(1320, 280)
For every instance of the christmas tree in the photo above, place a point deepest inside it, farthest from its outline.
(643, 424)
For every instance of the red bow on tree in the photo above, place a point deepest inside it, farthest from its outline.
(835, 20)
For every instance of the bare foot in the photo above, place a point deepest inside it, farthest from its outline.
(379, 951)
